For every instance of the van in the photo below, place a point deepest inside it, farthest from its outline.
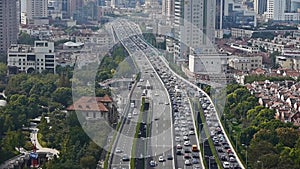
(194, 148)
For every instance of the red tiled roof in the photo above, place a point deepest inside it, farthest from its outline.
(90, 104)
(105, 99)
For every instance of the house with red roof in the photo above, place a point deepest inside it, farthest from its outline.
(96, 108)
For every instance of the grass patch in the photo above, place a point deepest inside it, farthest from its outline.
(40, 140)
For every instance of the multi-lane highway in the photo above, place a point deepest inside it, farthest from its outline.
(156, 147)
(161, 144)
(172, 123)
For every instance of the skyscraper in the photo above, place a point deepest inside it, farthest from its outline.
(194, 25)
(9, 28)
(260, 6)
(168, 8)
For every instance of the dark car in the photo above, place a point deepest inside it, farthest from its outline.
(178, 152)
(169, 157)
(125, 157)
(195, 155)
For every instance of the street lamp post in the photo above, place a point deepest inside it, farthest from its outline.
(262, 164)
(246, 155)
(210, 157)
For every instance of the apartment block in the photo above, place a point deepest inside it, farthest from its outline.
(245, 63)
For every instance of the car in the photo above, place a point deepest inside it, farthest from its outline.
(187, 150)
(161, 159)
(141, 156)
(177, 139)
(152, 163)
(226, 164)
(187, 156)
(169, 157)
(185, 138)
(196, 167)
(185, 133)
(187, 143)
(125, 157)
(187, 162)
(195, 161)
(129, 115)
(195, 155)
(231, 159)
(118, 150)
(191, 132)
(220, 150)
(179, 146)
(223, 158)
(167, 103)
(178, 152)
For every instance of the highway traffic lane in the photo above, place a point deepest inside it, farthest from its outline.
(126, 136)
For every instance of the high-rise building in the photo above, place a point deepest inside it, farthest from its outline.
(260, 6)
(33, 9)
(219, 18)
(37, 8)
(9, 28)
(168, 8)
(74, 5)
(283, 10)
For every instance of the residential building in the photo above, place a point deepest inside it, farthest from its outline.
(245, 48)
(245, 64)
(9, 27)
(282, 97)
(35, 9)
(242, 33)
(96, 108)
(101, 38)
(289, 60)
(26, 58)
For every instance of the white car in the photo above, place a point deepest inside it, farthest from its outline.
(191, 132)
(118, 150)
(187, 143)
(177, 139)
(226, 164)
(187, 162)
(185, 138)
(161, 159)
(232, 159)
(129, 115)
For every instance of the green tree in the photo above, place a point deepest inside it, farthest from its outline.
(88, 162)
(63, 95)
